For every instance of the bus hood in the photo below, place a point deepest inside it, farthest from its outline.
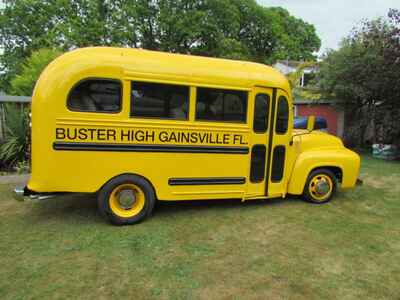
(304, 140)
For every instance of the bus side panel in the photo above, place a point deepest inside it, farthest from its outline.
(78, 166)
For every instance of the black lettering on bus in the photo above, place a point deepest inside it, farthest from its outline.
(185, 137)
(163, 136)
(101, 134)
(140, 136)
(194, 137)
(236, 138)
(125, 135)
(226, 137)
(71, 134)
(82, 135)
(92, 131)
(150, 136)
(211, 140)
(111, 134)
(202, 137)
(60, 133)
(173, 138)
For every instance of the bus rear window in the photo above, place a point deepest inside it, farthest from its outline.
(155, 100)
(221, 105)
(96, 95)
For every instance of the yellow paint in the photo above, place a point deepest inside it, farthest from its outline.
(316, 150)
(312, 188)
(88, 171)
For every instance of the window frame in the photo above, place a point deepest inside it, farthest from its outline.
(261, 166)
(132, 81)
(121, 98)
(288, 115)
(247, 92)
(267, 118)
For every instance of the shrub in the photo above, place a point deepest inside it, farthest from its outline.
(23, 83)
(16, 141)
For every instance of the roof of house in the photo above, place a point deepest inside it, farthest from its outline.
(290, 63)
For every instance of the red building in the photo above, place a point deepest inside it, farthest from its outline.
(332, 113)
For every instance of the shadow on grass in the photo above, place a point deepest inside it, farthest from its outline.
(82, 207)
(178, 207)
(78, 207)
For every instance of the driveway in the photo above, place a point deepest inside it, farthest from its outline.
(14, 179)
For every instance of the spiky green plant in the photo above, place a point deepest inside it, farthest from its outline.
(16, 142)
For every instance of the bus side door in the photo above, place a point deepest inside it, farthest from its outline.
(279, 142)
(260, 124)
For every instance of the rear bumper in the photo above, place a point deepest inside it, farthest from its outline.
(24, 193)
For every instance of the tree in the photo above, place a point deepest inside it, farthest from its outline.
(239, 29)
(23, 83)
(309, 92)
(364, 73)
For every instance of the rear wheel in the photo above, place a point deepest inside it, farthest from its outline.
(126, 199)
(320, 186)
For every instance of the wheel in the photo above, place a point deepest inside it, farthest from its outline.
(320, 186)
(126, 199)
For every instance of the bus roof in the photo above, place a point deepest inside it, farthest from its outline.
(139, 63)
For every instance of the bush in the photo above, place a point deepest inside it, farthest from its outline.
(16, 141)
(23, 83)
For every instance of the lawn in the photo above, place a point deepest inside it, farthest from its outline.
(274, 249)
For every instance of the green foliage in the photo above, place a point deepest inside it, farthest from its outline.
(365, 69)
(16, 142)
(23, 83)
(22, 167)
(311, 91)
(239, 29)
(364, 73)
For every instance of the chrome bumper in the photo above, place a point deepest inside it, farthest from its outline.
(19, 194)
(23, 193)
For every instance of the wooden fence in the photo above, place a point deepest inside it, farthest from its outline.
(4, 99)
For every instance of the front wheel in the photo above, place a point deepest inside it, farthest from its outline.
(126, 199)
(320, 186)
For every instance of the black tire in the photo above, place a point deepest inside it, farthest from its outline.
(106, 199)
(313, 196)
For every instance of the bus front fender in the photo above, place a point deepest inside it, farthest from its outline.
(344, 160)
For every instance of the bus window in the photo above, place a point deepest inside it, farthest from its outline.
(155, 100)
(221, 105)
(261, 111)
(282, 116)
(278, 163)
(257, 169)
(96, 95)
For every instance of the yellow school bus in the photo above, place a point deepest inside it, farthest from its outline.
(138, 126)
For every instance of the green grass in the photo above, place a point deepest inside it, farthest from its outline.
(276, 249)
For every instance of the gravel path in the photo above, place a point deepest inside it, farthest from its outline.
(14, 179)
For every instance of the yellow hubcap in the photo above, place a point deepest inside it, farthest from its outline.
(127, 200)
(320, 187)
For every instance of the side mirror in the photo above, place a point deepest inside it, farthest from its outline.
(310, 123)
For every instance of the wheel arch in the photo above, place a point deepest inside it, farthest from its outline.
(338, 171)
(128, 173)
(300, 174)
